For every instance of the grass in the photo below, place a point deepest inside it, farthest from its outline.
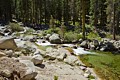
(106, 65)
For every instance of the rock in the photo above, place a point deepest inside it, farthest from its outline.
(28, 37)
(2, 78)
(49, 49)
(9, 65)
(61, 56)
(55, 38)
(95, 43)
(9, 53)
(105, 40)
(37, 59)
(33, 39)
(47, 36)
(30, 76)
(6, 73)
(37, 52)
(84, 44)
(117, 44)
(53, 55)
(80, 40)
(71, 60)
(30, 73)
(107, 46)
(86, 75)
(2, 54)
(25, 58)
(8, 43)
(78, 63)
(83, 67)
(62, 53)
(87, 71)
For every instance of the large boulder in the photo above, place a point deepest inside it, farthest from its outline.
(62, 53)
(37, 59)
(9, 66)
(71, 60)
(30, 73)
(107, 46)
(96, 43)
(117, 44)
(55, 38)
(84, 44)
(8, 43)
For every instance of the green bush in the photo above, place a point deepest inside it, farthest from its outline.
(50, 31)
(71, 36)
(29, 31)
(15, 27)
(93, 35)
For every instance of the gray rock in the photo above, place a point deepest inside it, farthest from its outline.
(47, 36)
(86, 75)
(84, 44)
(61, 56)
(117, 44)
(71, 60)
(30, 70)
(30, 76)
(9, 53)
(37, 59)
(55, 38)
(49, 49)
(105, 40)
(83, 67)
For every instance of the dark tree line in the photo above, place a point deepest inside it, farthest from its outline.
(104, 14)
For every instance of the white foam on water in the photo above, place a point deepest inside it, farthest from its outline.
(44, 44)
(80, 51)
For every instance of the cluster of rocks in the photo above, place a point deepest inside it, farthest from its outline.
(103, 45)
(21, 57)
(14, 67)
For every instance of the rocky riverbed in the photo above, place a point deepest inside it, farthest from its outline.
(22, 59)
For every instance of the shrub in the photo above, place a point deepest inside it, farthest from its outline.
(15, 27)
(29, 31)
(50, 31)
(71, 36)
(93, 35)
